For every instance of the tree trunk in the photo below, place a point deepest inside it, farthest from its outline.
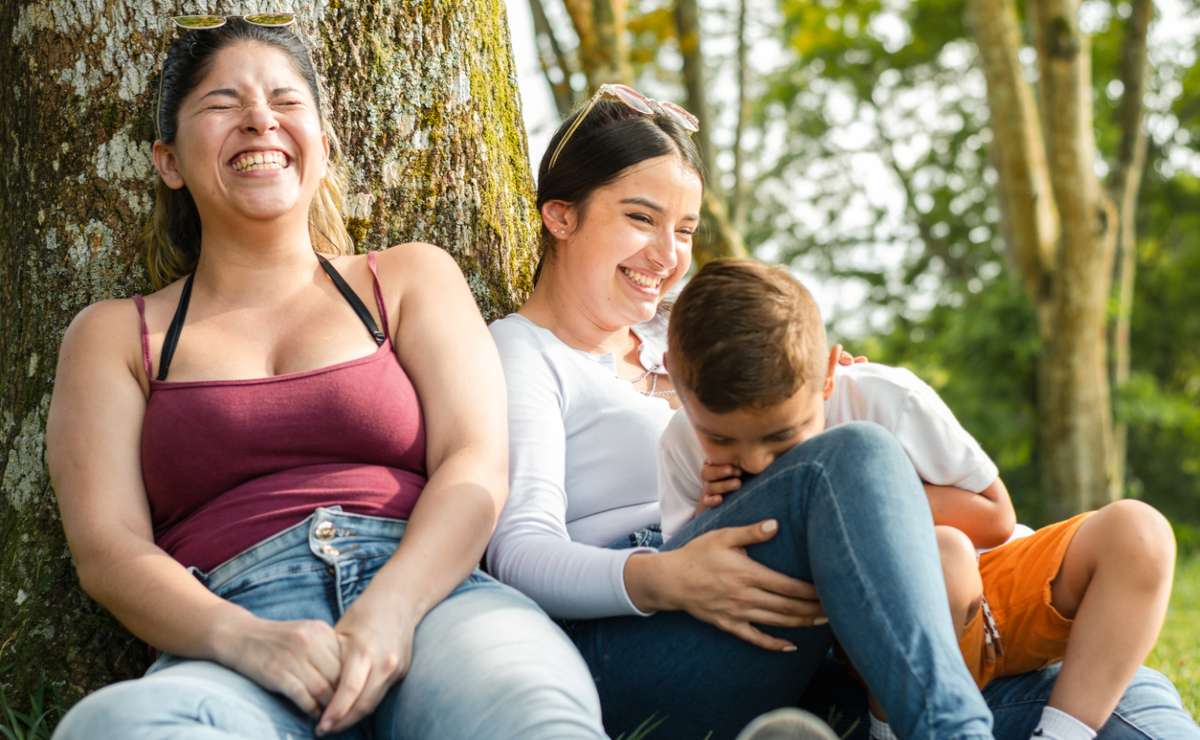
(718, 237)
(1124, 186)
(1076, 410)
(1061, 229)
(603, 49)
(424, 97)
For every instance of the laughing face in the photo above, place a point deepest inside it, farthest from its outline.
(249, 143)
(632, 240)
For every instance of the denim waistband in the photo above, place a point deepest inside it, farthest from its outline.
(327, 532)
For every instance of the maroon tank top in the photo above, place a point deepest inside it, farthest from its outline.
(228, 463)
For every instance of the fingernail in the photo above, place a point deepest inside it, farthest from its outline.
(789, 648)
(770, 525)
(820, 621)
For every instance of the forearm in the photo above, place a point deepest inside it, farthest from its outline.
(446, 534)
(160, 602)
(986, 518)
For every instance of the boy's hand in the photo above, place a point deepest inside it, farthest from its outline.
(719, 480)
(845, 358)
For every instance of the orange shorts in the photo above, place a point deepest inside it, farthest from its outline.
(1029, 633)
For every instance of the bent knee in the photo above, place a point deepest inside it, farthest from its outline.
(865, 445)
(864, 434)
(1137, 536)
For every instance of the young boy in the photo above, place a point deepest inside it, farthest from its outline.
(748, 357)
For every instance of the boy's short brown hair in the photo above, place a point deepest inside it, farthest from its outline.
(745, 335)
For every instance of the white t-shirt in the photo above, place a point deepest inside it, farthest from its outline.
(582, 470)
(943, 453)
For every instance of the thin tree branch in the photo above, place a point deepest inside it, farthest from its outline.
(687, 28)
(600, 25)
(737, 199)
(1124, 185)
(1018, 148)
(552, 56)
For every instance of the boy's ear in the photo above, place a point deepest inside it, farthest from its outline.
(834, 352)
(167, 165)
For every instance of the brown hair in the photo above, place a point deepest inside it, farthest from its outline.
(171, 238)
(745, 335)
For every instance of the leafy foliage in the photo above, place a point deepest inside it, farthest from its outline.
(881, 183)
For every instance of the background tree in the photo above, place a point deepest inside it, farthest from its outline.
(583, 44)
(424, 97)
(935, 96)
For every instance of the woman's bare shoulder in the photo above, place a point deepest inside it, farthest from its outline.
(410, 258)
(110, 329)
(104, 332)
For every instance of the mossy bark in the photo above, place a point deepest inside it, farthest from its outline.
(424, 96)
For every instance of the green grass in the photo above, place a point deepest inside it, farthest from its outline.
(1177, 654)
(36, 722)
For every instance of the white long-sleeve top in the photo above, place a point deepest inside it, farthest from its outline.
(582, 469)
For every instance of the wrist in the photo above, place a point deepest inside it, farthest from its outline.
(226, 629)
(394, 592)
(647, 581)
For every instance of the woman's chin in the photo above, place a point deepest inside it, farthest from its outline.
(641, 312)
(267, 209)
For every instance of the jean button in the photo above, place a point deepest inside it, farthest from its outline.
(330, 550)
(325, 531)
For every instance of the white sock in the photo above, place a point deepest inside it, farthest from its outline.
(881, 730)
(1056, 724)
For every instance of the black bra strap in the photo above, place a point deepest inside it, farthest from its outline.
(176, 328)
(352, 298)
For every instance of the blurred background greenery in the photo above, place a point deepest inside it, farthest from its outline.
(856, 142)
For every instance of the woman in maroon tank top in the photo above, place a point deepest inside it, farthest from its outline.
(266, 476)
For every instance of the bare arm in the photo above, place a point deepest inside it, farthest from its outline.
(986, 517)
(93, 444)
(450, 356)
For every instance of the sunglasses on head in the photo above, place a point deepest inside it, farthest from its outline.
(632, 99)
(211, 22)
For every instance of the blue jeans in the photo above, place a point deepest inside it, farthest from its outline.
(854, 520)
(487, 662)
(1150, 709)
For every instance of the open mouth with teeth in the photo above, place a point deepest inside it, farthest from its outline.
(641, 279)
(256, 161)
